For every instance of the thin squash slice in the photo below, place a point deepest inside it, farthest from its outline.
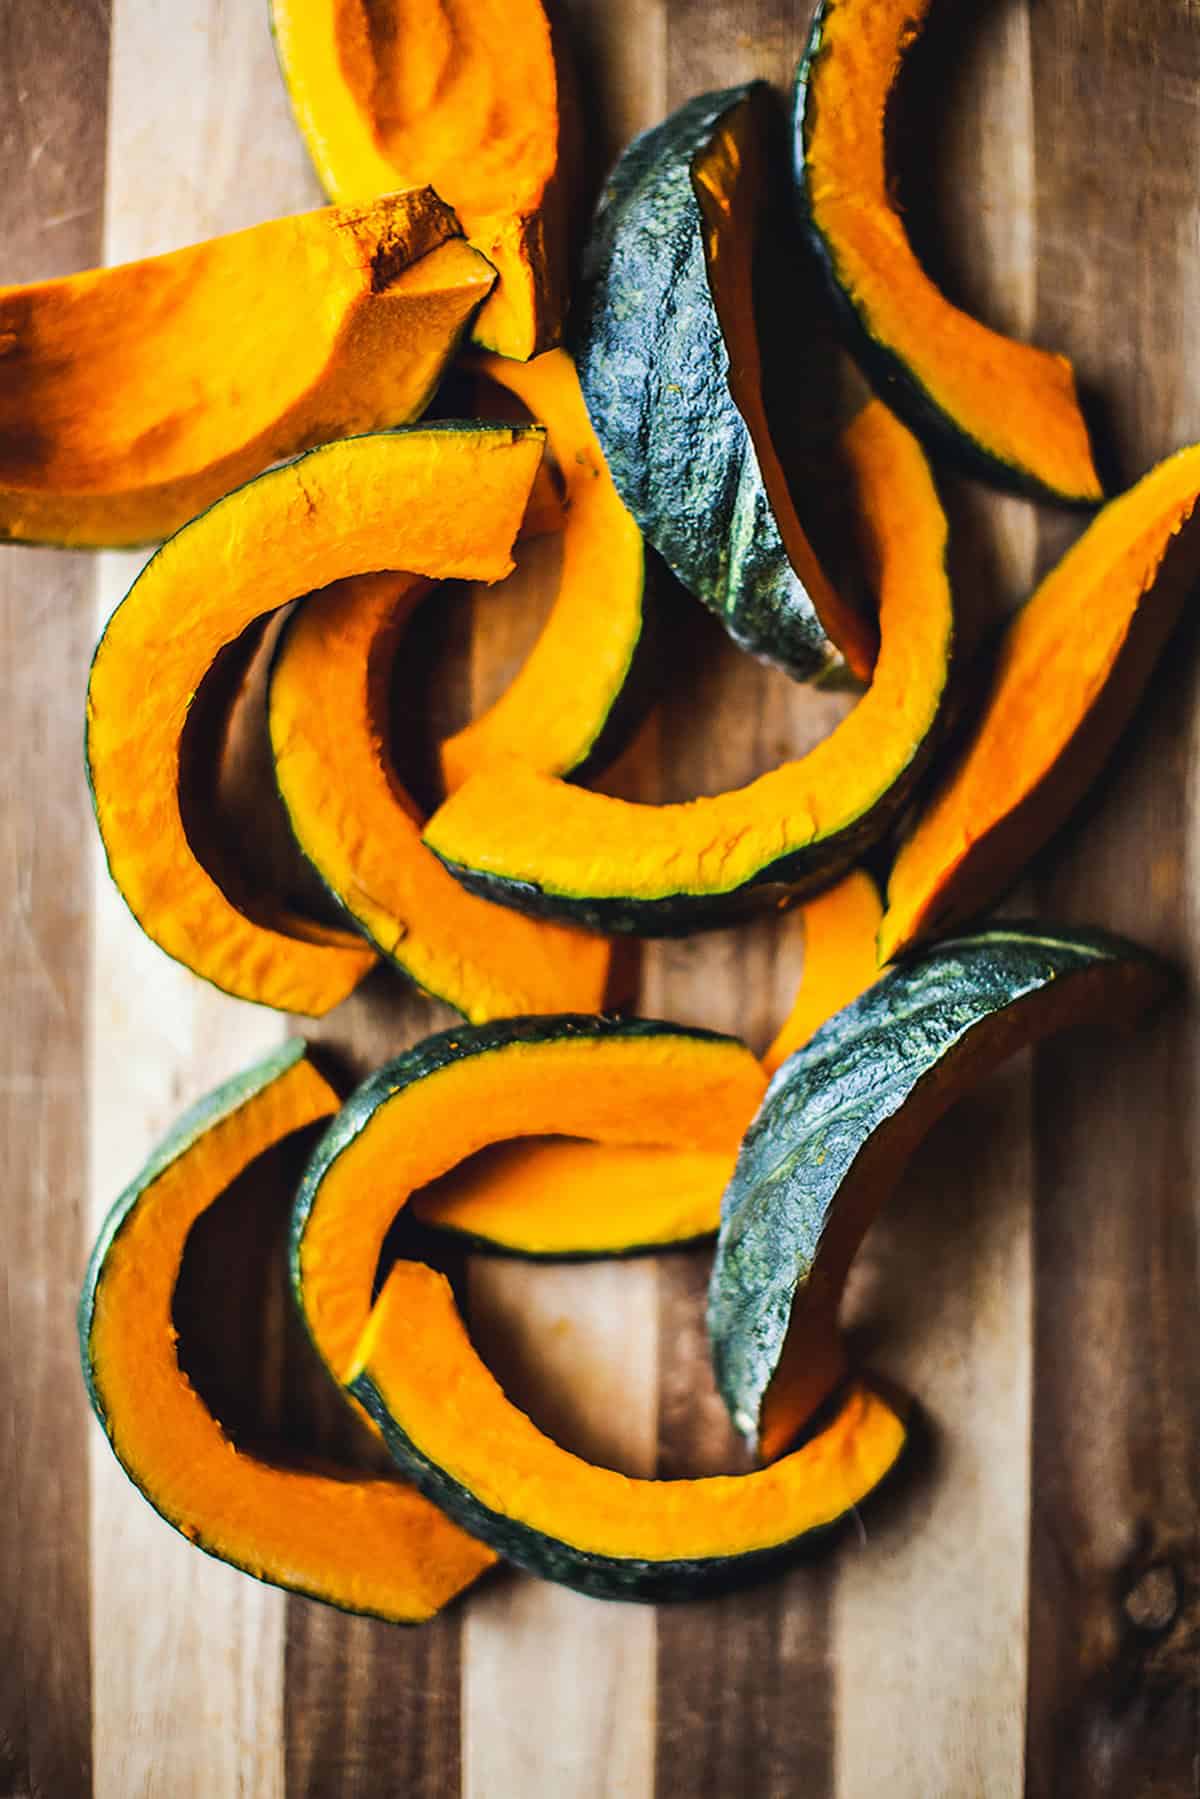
(569, 1198)
(361, 831)
(132, 397)
(519, 836)
(840, 930)
(582, 686)
(1071, 668)
(1003, 409)
(841, 1119)
(455, 1435)
(363, 1543)
(624, 1082)
(439, 501)
(670, 366)
(465, 96)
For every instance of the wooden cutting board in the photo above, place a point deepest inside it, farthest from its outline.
(1026, 1614)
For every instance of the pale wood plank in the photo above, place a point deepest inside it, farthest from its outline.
(1115, 1553)
(930, 1609)
(53, 62)
(192, 1701)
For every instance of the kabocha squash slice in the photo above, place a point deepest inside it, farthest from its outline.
(361, 831)
(1071, 668)
(1003, 409)
(669, 364)
(439, 501)
(132, 397)
(622, 1082)
(568, 1198)
(454, 1433)
(841, 1119)
(841, 926)
(582, 686)
(363, 1543)
(467, 97)
(538, 844)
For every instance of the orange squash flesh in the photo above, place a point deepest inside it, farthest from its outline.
(1016, 402)
(363, 1543)
(328, 715)
(132, 397)
(1071, 669)
(416, 1358)
(518, 829)
(463, 95)
(840, 930)
(673, 1090)
(442, 501)
(553, 712)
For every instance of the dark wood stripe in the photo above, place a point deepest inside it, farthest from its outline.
(53, 88)
(1114, 1654)
(371, 1709)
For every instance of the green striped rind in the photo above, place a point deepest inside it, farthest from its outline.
(654, 369)
(599, 1576)
(433, 1055)
(892, 378)
(853, 1078)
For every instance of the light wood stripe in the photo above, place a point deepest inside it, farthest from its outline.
(193, 1703)
(52, 85)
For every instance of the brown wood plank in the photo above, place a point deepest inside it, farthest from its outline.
(1114, 1676)
(53, 84)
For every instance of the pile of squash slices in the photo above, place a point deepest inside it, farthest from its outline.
(312, 470)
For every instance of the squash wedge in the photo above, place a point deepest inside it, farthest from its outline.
(466, 97)
(622, 1082)
(841, 1119)
(361, 831)
(669, 360)
(132, 397)
(455, 1435)
(519, 836)
(441, 501)
(583, 686)
(840, 930)
(1002, 409)
(363, 1543)
(1071, 668)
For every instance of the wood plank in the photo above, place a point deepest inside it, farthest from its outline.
(1114, 1669)
(192, 1703)
(53, 72)
(929, 1608)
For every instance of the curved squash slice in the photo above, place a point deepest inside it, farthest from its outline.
(441, 501)
(840, 930)
(464, 96)
(842, 1118)
(454, 1433)
(540, 845)
(132, 397)
(615, 1081)
(365, 1544)
(569, 709)
(328, 718)
(1005, 410)
(1072, 666)
(669, 362)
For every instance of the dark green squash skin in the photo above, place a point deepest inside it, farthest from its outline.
(654, 370)
(599, 1576)
(892, 378)
(204, 1116)
(856, 1076)
(442, 1051)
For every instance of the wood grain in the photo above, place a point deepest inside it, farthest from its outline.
(53, 63)
(1114, 1653)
